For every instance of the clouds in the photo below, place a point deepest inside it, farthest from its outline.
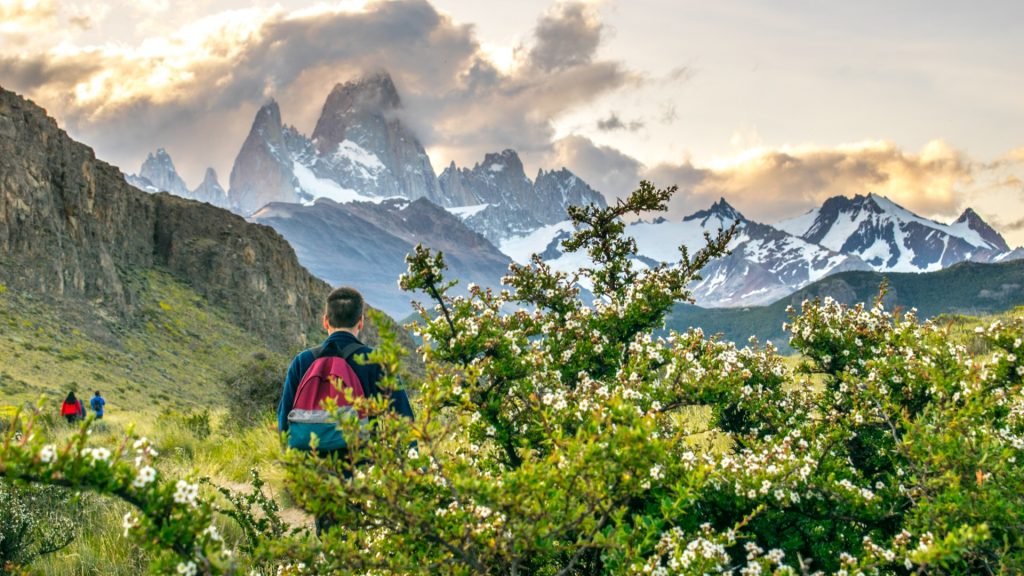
(606, 169)
(770, 184)
(194, 91)
(25, 15)
(566, 37)
(613, 122)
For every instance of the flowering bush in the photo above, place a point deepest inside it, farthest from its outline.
(171, 521)
(33, 521)
(557, 435)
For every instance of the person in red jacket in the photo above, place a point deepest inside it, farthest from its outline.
(70, 409)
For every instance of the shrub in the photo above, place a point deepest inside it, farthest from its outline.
(254, 390)
(34, 520)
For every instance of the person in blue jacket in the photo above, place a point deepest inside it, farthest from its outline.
(97, 403)
(343, 319)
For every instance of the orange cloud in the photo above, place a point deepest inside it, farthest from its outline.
(776, 183)
(21, 17)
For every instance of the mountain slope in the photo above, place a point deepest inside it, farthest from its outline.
(359, 150)
(365, 243)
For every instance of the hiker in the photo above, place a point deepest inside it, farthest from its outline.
(70, 409)
(300, 413)
(97, 404)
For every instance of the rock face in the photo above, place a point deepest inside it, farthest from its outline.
(159, 170)
(360, 149)
(263, 171)
(71, 228)
(364, 244)
(210, 190)
(364, 146)
(159, 175)
(506, 203)
(890, 238)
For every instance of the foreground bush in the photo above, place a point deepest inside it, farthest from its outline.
(34, 521)
(559, 438)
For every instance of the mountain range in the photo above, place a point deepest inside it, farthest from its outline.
(361, 189)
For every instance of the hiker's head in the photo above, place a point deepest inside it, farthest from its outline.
(344, 310)
(97, 392)
(71, 397)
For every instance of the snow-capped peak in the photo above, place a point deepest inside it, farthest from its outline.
(721, 212)
(891, 238)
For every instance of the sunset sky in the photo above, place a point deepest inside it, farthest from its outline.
(773, 105)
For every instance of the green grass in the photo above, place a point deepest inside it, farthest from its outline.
(172, 354)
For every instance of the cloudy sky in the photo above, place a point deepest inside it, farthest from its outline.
(773, 105)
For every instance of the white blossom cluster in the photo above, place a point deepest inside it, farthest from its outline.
(186, 493)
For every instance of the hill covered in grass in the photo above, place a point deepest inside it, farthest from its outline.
(172, 354)
(968, 288)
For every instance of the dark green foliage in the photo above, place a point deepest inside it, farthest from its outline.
(35, 520)
(254, 390)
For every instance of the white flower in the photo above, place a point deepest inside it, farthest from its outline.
(187, 568)
(96, 455)
(413, 453)
(656, 472)
(128, 522)
(146, 475)
(48, 454)
(211, 531)
(186, 493)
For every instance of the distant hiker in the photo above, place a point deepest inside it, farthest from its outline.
(308, 381)
(97, 404)
(71, 410)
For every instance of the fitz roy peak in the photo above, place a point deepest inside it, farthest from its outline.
(891, 238)
(360, 150)
(362, 144)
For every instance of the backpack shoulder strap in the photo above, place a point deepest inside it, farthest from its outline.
(351, 349)
(345, 353)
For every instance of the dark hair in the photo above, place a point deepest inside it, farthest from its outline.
(344, 307)
(97, 392)
(71, 397)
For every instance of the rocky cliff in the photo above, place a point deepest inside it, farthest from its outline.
(507, 203)
(72, 229)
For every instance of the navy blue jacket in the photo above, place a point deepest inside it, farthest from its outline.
(369, 376)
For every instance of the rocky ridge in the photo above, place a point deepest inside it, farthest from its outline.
(498, 199)
(71, 227)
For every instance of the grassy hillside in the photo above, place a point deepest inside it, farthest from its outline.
(967, 288)
(172, 356)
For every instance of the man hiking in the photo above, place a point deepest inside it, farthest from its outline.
(97, 403)
(315, 373)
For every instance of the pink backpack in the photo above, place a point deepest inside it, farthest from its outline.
(328, 377)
